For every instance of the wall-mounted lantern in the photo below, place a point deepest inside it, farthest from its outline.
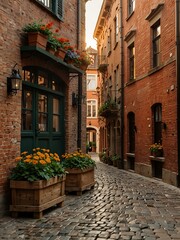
(13, 82)
(74, 99)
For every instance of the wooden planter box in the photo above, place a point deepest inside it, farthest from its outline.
(36, 196)
(78, 180)
(37, 39)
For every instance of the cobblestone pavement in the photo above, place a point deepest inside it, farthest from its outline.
(123, 205)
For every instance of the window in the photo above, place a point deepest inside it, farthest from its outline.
(131, 62)
(109, 41)
(131, 6)
(91, 82)
(131, 128)
(91, 108)
(116, 30)
(55, 6)
(157, 118)
(156, 40)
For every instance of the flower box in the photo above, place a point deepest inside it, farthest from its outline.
(78, 180)
(37, 39)
(36, 196)
(60, 53)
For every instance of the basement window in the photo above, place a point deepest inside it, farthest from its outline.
(55, 6)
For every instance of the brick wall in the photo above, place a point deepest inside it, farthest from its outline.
(148, 89)
(14, 15)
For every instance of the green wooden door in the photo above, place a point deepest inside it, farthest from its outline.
(42, 117)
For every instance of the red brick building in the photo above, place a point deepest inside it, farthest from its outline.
(141, 38)
(42, 113)
(92, 123)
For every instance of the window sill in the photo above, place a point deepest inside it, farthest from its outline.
(159, 159)
(130, 82)
(129, 16)
(130, 155)
(155, 69)
(115, 46)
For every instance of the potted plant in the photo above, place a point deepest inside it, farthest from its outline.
(37, 182)
(38, 33)
(62, 48)
(52, 44)
(109, 107)
(101, 155)
(80, 171)
(156, 150)
(83, 60)
(116, 160)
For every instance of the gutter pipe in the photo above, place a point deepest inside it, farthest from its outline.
(178, 84)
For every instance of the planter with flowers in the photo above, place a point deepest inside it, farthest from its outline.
(108, 108)
(37, 182)
(156, 150)
(38, 33)
(83, 61)
(62, 48)
(80, 172)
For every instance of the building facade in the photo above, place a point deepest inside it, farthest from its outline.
(42, 113)
(146, 63)
(92, 123)
(110, 73)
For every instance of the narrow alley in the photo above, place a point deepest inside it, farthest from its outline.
(123, 205)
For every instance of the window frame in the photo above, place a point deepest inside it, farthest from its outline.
(131, 7)
(91, 105)
(90, 79)
(131, 56)
(156, 39)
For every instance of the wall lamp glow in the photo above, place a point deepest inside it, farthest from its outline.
(13, 82)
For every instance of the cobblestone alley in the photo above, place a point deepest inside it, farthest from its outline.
(122, 205)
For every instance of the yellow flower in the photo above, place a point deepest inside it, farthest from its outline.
(36, 157)
(42, 162)
(29, 156)
(23, 153)
(48, 160)
(18, 158)
(27, 160)
(34, 162)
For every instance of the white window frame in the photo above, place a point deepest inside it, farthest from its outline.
(91, 104)
(88, 82)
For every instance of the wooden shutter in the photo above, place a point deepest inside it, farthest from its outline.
(60, 8)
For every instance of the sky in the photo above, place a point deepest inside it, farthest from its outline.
(93, 8)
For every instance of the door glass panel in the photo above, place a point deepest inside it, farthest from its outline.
(29, 76)
(42, 80)
(56, 116)
(27, 110)
(42, 113)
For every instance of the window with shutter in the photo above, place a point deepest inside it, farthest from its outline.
(55, 6)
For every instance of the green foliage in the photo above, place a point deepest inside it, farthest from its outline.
(37, 166)
(109, 104)
(39, 27)
(77, 159)
(115, 157)
(53, 42)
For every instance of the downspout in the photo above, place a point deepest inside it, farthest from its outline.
(122, 85)
(79, 120)
(178, 84)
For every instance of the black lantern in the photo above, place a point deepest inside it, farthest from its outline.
(13, 82)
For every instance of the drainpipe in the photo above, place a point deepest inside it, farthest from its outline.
(79, 120)
(122, 85)
(178, 83)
